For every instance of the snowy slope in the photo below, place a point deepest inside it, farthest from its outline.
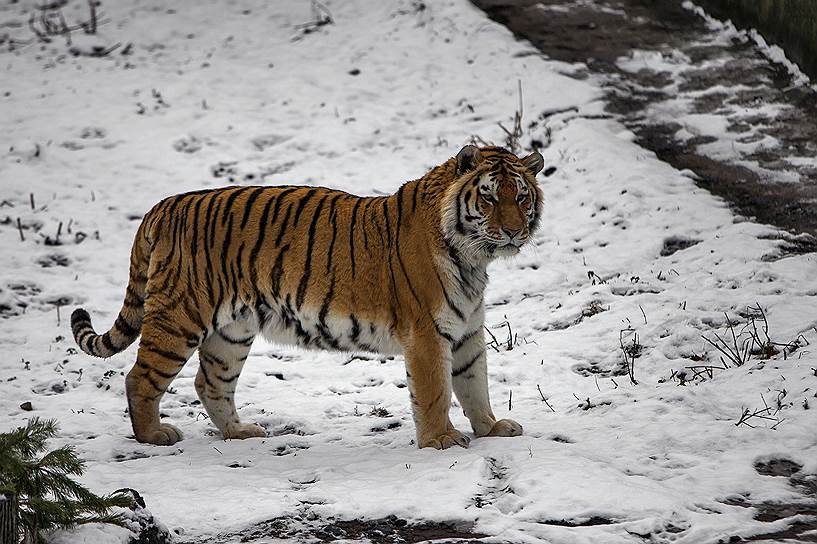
(214, 93)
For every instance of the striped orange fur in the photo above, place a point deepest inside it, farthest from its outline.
(320, 268)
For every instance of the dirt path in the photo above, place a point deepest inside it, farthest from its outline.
(701, 98)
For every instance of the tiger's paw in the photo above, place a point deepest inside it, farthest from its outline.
(451, 437)
(245, 430)
(165, 435)
(506, 427)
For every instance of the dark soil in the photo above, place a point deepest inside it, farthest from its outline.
(390, 530)
(598, 33)
(768, 512)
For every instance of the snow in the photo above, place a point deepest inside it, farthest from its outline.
(773, 52)
(249, 97)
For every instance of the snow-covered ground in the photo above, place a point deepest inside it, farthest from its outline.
(213, 93)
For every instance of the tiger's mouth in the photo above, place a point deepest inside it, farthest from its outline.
(503, 249)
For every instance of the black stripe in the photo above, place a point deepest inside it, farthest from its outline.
(131, 292)
(465, 368)
(225, 249)
(212, 359)
(155, 386)
(310, 243)
(236, 273)
(214, 223)
(414, 196)
(203, 369)
(465, 338)
(165, 375)
(437, 399)
(248, 206)
(355, 333)
(125, 327)
(288, 315)
(443, 333)
(399, 197)
(194, 251)
(163, 353)
(174, 202)
(83, 333)
(216, 304)
(365, 223)
(243, 341)
(352, 234)
(448, 300)
(212, 208)
(386, 218)
(106, 341)
(233, 378)
(278, 199)
(333, 220)
(460, 226)
(397, 244)
(228, 206)
(452, 254)
(323, 328)
(304, 199)
(282, 230)
(277, 272)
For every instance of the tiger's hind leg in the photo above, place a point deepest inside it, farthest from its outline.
(162, 354)
(221, 358)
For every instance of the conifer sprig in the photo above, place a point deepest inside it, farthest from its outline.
(47, 496)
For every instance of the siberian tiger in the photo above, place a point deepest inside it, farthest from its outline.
(315, 267)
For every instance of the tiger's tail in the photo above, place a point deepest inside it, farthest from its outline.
(128, 323)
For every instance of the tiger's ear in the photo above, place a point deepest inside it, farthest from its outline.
(467, 159)
(534, 162)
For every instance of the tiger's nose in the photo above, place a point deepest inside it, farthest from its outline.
(511, 232)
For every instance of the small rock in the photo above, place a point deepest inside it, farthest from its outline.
(26, 406)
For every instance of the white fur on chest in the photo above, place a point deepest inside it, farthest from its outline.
(461, 305)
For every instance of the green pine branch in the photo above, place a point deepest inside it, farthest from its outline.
(47, 495)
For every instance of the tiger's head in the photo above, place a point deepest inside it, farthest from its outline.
(493, 206)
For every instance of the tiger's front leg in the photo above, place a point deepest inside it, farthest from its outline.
(469, 375)
(428, 369)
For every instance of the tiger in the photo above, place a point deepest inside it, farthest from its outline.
(403, 274)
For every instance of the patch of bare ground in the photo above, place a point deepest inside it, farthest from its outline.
(389, 530)
(802, 513)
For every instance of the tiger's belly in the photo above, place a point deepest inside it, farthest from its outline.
(312, 329)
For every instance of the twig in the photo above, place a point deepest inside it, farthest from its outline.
(479, 141)
(20, 229)
(631, 352)
(321, 16)
(738, 354)
(493, 343)
(512, 137)
(595, 278)
(642, 313)
(90, 26)
(544, 399)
